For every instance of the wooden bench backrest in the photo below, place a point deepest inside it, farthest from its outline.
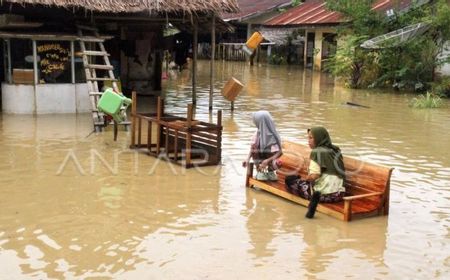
(361, 176)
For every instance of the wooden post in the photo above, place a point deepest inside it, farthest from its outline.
(258, 54)
(149, 136)
(166, 58)
(139, 132)
(223, 52)
(175, 145)
(157, 71)
(72, 61)
(133, 119)
(189, 136)
(219, 136)
(213, 55)
(35, 65)
(305, 50)
(347, 210)
(116, 130)
(194, 63)
(219, 118)
(158, 126)
(386, 197)
(166, 144)
(252, 58)
(8, 45)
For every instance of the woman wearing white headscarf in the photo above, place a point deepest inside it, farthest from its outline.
(266, 146)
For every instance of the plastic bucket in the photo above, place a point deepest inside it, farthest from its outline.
(254, 41)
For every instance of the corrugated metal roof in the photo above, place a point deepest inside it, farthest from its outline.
(385, 5)
(314, 12)
(249, 8)
(310, 12)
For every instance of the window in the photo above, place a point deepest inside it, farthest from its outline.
(22, 61)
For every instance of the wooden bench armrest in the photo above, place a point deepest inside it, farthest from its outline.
(354, 197)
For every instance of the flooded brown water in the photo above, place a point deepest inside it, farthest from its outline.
(66, 214)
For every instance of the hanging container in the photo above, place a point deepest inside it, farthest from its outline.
(232, 89)
(111, 104)
(253, 42)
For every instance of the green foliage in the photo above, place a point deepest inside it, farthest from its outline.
(364, 21)
(442, 87)
(441, 20)
(350, 61)
(428, 100)
(408, 66)
(347, 62)
(296, 3)
(276, 59)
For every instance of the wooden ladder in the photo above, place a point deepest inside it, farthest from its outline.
(91, 73)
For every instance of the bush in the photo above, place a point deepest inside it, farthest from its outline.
(276, 59)
(442, 87)
(429, 100)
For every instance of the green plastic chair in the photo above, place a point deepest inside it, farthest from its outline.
(111, 104)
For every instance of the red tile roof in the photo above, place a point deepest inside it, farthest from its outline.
(314, 12)
(252, 7)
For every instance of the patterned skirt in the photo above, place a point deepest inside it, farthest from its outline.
(302, 188)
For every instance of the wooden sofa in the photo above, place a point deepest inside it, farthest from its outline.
(367, 184)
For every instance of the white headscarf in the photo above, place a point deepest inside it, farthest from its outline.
(267, 133)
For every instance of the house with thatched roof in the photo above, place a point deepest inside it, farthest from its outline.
(46, 67)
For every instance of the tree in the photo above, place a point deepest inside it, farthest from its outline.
(408, 66)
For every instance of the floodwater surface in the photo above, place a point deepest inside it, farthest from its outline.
(76, 206)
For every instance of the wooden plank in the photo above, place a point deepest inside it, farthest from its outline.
(91, 39)
(354, 197)
(100, 79)
(100, 67)
(294, 198)
(95, 53)
(85, 27)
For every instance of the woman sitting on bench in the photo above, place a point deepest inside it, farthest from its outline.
(326, 169)
(265, 148)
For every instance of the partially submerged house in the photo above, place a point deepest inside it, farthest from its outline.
(42, 57)
(316, 26)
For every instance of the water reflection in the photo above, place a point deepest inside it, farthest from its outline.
(320, 244)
